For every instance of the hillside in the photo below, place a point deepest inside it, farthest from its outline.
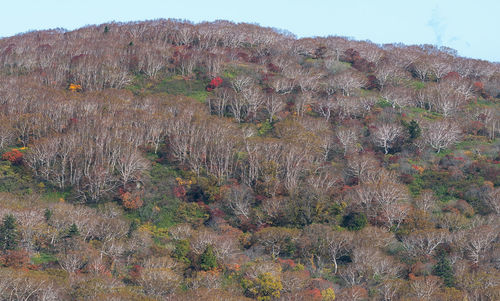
(165, 160)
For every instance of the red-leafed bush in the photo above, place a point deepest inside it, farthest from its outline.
(373, 83)
(214, 83)
(15, 259)
(451, 76)
(135, 273)
(14, 156)
(358, 63)
(479, 89)
(131, 200)
(179, 191)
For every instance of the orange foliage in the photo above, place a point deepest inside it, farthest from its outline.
(130, 200)
(15, 259)
(75, 87)
(420, 169)
(287, 263)
(313, 294)
(14, 156)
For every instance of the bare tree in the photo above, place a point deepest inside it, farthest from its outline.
(441, 134)
(159, 282)
(426, 201)
(386, 134)
(131, 165)
(424, 242)
(348, 138)
(387, 73)
(273, 104)
(445, 99)
(397, 96)
(238, 107)
(364, 167)
(255, 99)
(338, 244)
(282, 85)
(349, 81)
(493, 200)
(239, 199)
(478, 240)
(324, 107)
(424, 287)
(222, 98)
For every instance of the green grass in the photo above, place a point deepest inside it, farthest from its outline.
(417, 85)
(42, 258)
(161, 207)
(200, 96)
(383, 103)
(174, 85)
(415, 112)
(55, 196)
(178, 86)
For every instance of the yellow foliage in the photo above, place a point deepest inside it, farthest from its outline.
(183, 182)
(75, 87)
(265, 287)
(328, 294)
(468, 153)
(154, 230)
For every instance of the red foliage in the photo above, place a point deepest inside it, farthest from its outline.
(214, 83)
(273, 68)
(135, 272)
(243, 56)
(373, 83)
(478, 86)
(215, 212)
(358, 63)
(130, 200)
(346, 188)
(179, 191)
(479, 89)
(451, 75)
(15, 259)
(313, 294)
(474, 127)
(287, 263)
(13, 156)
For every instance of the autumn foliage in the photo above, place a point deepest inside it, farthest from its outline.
(131, 200)
(167, 160)
(14, 156)
(75, 87)
(214, 83)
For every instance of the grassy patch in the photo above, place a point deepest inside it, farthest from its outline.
(43, 258)
(162, 208)
(174, 85)
(383, 103)
(55, 196)
(415, 112)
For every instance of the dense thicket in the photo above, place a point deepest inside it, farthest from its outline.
(220, 161)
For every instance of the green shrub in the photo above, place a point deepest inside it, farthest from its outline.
(354, 221)
(182, 250)
(444, 270)
(208, 260)
(9, 236)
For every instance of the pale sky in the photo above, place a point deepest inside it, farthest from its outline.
(470, 27)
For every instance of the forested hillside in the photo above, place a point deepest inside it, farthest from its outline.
(165, 160)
